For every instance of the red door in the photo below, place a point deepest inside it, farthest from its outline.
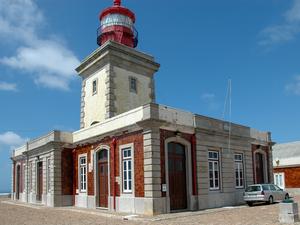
(259, 168)
(39, 181)
(177, 176)
(103, 178)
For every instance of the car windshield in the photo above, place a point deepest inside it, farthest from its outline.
(253, 188)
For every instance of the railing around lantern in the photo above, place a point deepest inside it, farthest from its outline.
(134, 31)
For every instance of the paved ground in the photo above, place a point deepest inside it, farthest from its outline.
(12, 214)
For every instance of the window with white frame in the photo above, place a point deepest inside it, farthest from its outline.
(213, 170)
(239, 170)
(279, 180)
(48, 175)
(94, 86)
(82, 173)
(133, 84)
(127, 169)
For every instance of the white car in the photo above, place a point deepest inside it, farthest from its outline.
(268, 193)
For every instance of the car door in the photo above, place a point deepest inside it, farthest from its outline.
(280, 192)
(274, 192)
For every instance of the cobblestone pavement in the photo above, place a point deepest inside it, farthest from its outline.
(12, 214)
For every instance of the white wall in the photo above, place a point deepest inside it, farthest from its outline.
(126, 100)
(94, 105)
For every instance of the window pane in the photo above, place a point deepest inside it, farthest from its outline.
(216, 166)
(216, 183)
(215, 155)
(216, 174)
(129, 186)
(210, 166)
(211, 183)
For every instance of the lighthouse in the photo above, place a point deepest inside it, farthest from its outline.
(116, 78)
(117, 24)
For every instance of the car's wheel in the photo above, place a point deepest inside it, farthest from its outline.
(271, 200)
(250, 204)
(286, 196)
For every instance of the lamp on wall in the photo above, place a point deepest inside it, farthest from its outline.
(277, 161)
(177, 133)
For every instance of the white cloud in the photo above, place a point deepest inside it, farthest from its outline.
(284, 32)
(293, 15)
(4, 86)
(294, 87)
(11, 139)
(47, 60)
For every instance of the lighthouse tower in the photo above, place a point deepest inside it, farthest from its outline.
(117, 24)
(116, 78)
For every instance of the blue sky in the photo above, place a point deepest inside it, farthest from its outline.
(200, 45)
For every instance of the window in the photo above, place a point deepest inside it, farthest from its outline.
(82, 173)
(94, 88)
(133, 84)
(48, 175)
(127, 170)
(214, 172)
(239, 170)
(266, 187)
(279, 180)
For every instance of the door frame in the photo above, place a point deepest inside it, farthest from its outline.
(265, 165)
(96, 175)
(188, 166)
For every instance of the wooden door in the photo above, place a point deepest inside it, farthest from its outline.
(103, 178)
(39, 181)
(18, 183)
(177, 176)
(259, 168)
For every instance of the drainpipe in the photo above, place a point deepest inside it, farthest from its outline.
(13, 187)
(27, 174)
(113, 144)
(194, 164)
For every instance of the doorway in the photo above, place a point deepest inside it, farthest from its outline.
(103, 178)
(39, 181)
(18, 182)
(177, 176)
(259, 168)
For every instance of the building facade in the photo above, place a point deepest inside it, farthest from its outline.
(286, 164)
(131, 154)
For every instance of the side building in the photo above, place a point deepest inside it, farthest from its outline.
(39, 169)
(286, 164)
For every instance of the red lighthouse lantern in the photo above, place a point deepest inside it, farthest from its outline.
(117, 24)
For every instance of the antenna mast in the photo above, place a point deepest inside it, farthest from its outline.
(229, 99)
